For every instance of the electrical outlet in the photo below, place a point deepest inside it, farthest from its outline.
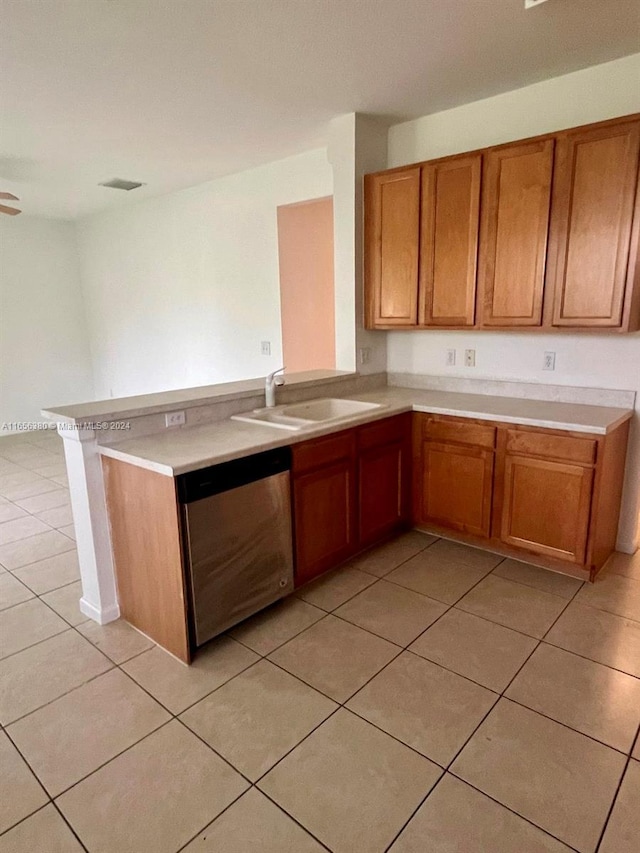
(549, 362)
(364, 355)
(174, 419)
(451, 358)
(265, 347)
(470, 358)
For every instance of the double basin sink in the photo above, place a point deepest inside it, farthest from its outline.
(304, 415)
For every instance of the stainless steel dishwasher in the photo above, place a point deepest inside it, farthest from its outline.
(238, 541)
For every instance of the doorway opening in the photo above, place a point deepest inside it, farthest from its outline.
(307, 291)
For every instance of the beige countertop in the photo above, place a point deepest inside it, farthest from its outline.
(182, 449)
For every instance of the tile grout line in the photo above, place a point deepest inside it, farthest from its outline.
(340, 705)
(33, 773)
(350, 564)
(565, 725)
(172, 717)
(50, 802)
(517, 814)
(475, 730)
(616, 794)
(265, 657)
(50, 799)
(72, 830)
(375, 675)
(484, 717)
(113, 666)
(38, 642)
(176, 717)
(591, 660)
(610, 612)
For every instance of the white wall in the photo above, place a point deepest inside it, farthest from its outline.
(44, 346)
(601, 360)
(357, 145)
(180, 290)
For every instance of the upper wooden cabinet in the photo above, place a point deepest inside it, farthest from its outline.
(449, 240)
(592, 219)
(515, 222)
(392, 222)
(550, 225)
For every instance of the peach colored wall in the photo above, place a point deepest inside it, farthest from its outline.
(305, 250)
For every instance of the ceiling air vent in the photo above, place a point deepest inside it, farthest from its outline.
(120, 184)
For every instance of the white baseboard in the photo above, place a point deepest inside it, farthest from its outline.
(109, 614)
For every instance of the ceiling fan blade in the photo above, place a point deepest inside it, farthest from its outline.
(12, 211)
(9, 196)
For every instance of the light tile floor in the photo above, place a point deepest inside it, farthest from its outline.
(427, 697)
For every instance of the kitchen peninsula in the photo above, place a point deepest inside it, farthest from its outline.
(525, 470)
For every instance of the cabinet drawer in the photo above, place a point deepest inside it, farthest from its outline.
(323, 451)
(459, 432)
(551, 446)
(395, 428)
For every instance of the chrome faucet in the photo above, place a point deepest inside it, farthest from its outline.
(271, 383)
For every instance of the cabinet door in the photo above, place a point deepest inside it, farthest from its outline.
(513, 244)
(456, 487)
(382, 492)
(449, 241)
(392, 219)
(325, 529)
(546, 507)
(593, 200)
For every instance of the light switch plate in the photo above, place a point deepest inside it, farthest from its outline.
(364, 355)
(265, 347)
(470, 358)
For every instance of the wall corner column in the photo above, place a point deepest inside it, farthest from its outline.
(88, 504)
(357, 145)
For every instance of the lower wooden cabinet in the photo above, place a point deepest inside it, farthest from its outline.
(324, 491)
(546, 507)
(454, 473)
(522, 490)
(457, 487)
(325, 524)
(350, 489)
(384, 478)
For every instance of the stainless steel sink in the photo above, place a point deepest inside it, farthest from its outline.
(304, 415)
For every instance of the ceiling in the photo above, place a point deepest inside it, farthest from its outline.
(176, 92)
